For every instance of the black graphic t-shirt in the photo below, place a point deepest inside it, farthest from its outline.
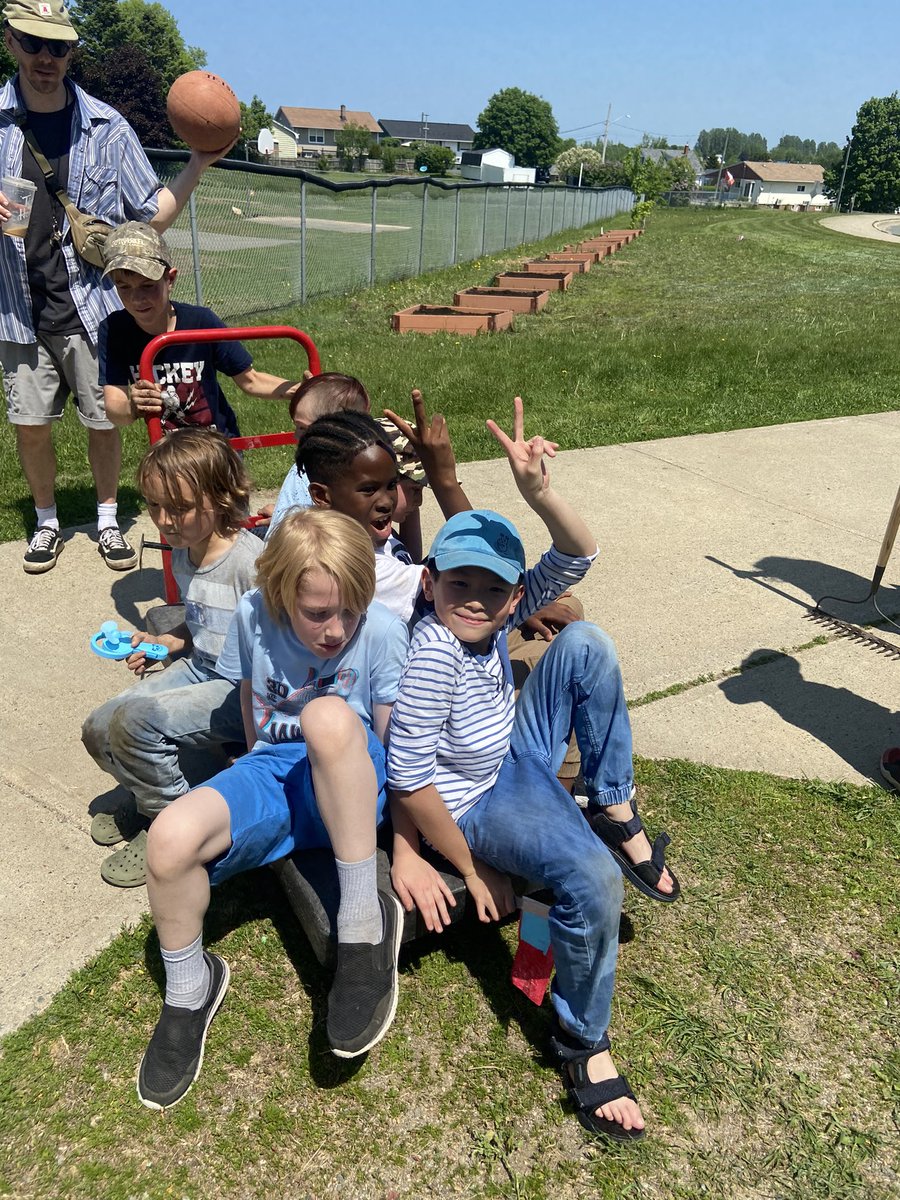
(186, 373)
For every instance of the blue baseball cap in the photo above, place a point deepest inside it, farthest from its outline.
(480, 538)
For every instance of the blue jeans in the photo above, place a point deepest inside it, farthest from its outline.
(136, 736)
(529, 825)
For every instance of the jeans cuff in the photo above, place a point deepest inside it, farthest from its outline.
(610, 796)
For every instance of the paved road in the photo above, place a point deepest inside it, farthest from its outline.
(865, 225)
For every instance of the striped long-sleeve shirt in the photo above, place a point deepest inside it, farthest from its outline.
(453, 717)
(109, 177)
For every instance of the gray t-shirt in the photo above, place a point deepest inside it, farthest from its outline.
(211, 594)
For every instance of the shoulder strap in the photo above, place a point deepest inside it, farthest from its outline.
(41, 160)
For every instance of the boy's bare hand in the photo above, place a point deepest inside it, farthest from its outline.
(549, 620)
(146, 398)
(526, 457)
(491, 891)
(419, 885)
(430, 439)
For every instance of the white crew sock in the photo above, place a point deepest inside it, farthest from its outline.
(106, 517)
(359, 914)
(187, 975)
(48, 517)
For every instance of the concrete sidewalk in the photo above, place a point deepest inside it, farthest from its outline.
(711, 547)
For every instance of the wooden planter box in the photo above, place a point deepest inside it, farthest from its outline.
(596, 252)
(585, 257)
(543, 266)
(627, 235)
(490, 299)
(434, 318)
(609, 244)
(525, 281)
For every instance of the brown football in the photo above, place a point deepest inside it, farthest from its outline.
(203, 111)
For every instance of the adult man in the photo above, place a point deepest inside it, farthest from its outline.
(51, 300)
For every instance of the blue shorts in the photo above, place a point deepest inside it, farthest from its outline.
(272, 803)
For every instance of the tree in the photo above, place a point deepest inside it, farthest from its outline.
(644, 176)
(873, 166)
(353, 142)
(438, 159)
(128, 82)
(794, 149)
(254, 117)
(583, 160)
(522, 124)
(731, 144)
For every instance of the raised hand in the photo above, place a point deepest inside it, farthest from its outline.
(430, 439)
(526, 456)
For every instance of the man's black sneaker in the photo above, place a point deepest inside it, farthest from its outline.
(173, 1059)
(43, 550)
(114, 550)
(363, 997)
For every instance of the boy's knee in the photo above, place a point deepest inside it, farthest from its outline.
(138, 721)
(598, 884)
(94, 735)
(173, 843)
(330, 725)
(584, 639)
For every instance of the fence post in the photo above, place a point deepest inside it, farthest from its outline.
(372, 243)
(456, 228)
(553, 214)
(525, 218)
(422, 230)
(302, 241)
(541, 216)
(484, 221)
(195, 248)
(506, 218)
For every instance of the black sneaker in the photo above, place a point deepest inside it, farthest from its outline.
(43, 550)
(114, 550)
(890, 767)
(173, 1059)
(363, 997)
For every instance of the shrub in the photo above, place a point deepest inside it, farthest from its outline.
(438, 159)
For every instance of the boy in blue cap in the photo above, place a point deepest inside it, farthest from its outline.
(475, 773)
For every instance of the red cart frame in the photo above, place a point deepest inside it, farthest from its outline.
(154, 425)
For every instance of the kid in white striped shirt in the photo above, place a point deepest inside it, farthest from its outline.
(476, 774)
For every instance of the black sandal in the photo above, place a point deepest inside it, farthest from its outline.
(585, 1095)
(645, 875)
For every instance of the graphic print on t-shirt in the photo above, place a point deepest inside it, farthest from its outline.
(279, 709)
(183, 398)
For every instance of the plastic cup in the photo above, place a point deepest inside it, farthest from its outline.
(20, 197)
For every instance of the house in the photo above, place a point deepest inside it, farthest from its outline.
(316, 129)
(286, 149)
(494, 166)
(665, 156)
(776, 184)
(438, 133)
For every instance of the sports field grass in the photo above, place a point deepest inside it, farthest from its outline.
(756, 1020)
(710, 321)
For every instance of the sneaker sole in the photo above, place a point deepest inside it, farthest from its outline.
(40, 568)
(212, 1012)
(888, 778)
(122, 565)
(389, 1019)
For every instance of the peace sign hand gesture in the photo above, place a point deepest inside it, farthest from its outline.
(526, 457)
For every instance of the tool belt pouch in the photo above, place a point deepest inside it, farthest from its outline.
(89, 233)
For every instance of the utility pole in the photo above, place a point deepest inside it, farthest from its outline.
(722, 165)
(606, 132)
(837, 204)
(424, 126)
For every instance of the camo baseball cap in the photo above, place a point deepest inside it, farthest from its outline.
(409, 465)
(40, 18)
(136, 246)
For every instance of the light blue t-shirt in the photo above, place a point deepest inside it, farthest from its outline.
(285, 676)
(294, 494)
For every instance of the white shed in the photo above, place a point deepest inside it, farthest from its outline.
(494, 166)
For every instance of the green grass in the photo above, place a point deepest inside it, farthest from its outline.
(755, 1019)
(688, 330)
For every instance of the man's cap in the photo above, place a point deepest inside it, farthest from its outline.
(136, 246)
(41, 18)
(480, 538)
(409, 465)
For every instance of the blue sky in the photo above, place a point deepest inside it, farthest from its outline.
(772, 66)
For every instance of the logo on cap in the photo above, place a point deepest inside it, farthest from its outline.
(44, 10)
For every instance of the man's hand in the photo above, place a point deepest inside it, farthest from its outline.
(491, 891)
(526, 458)
(419, 885)
(429, 439)
(146, 398)
(548, 621)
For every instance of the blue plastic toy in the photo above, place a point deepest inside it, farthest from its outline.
(113, 642)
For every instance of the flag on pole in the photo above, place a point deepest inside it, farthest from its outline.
(729, 179)
(533, 963)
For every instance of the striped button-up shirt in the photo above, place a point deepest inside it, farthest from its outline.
(109, 177)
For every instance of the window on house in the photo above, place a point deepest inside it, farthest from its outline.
(801, 187)
(317, 136)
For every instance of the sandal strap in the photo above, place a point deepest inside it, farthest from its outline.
(615, 832)
(567, 1047)
(589, 1096)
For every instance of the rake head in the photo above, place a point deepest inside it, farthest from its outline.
(856, 633)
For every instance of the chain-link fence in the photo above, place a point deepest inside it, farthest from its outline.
(257, 238)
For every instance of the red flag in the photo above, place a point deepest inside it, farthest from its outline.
(729, 179)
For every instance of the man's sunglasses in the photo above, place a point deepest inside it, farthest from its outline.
(32, 45)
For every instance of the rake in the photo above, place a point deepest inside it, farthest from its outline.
(847, 628)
